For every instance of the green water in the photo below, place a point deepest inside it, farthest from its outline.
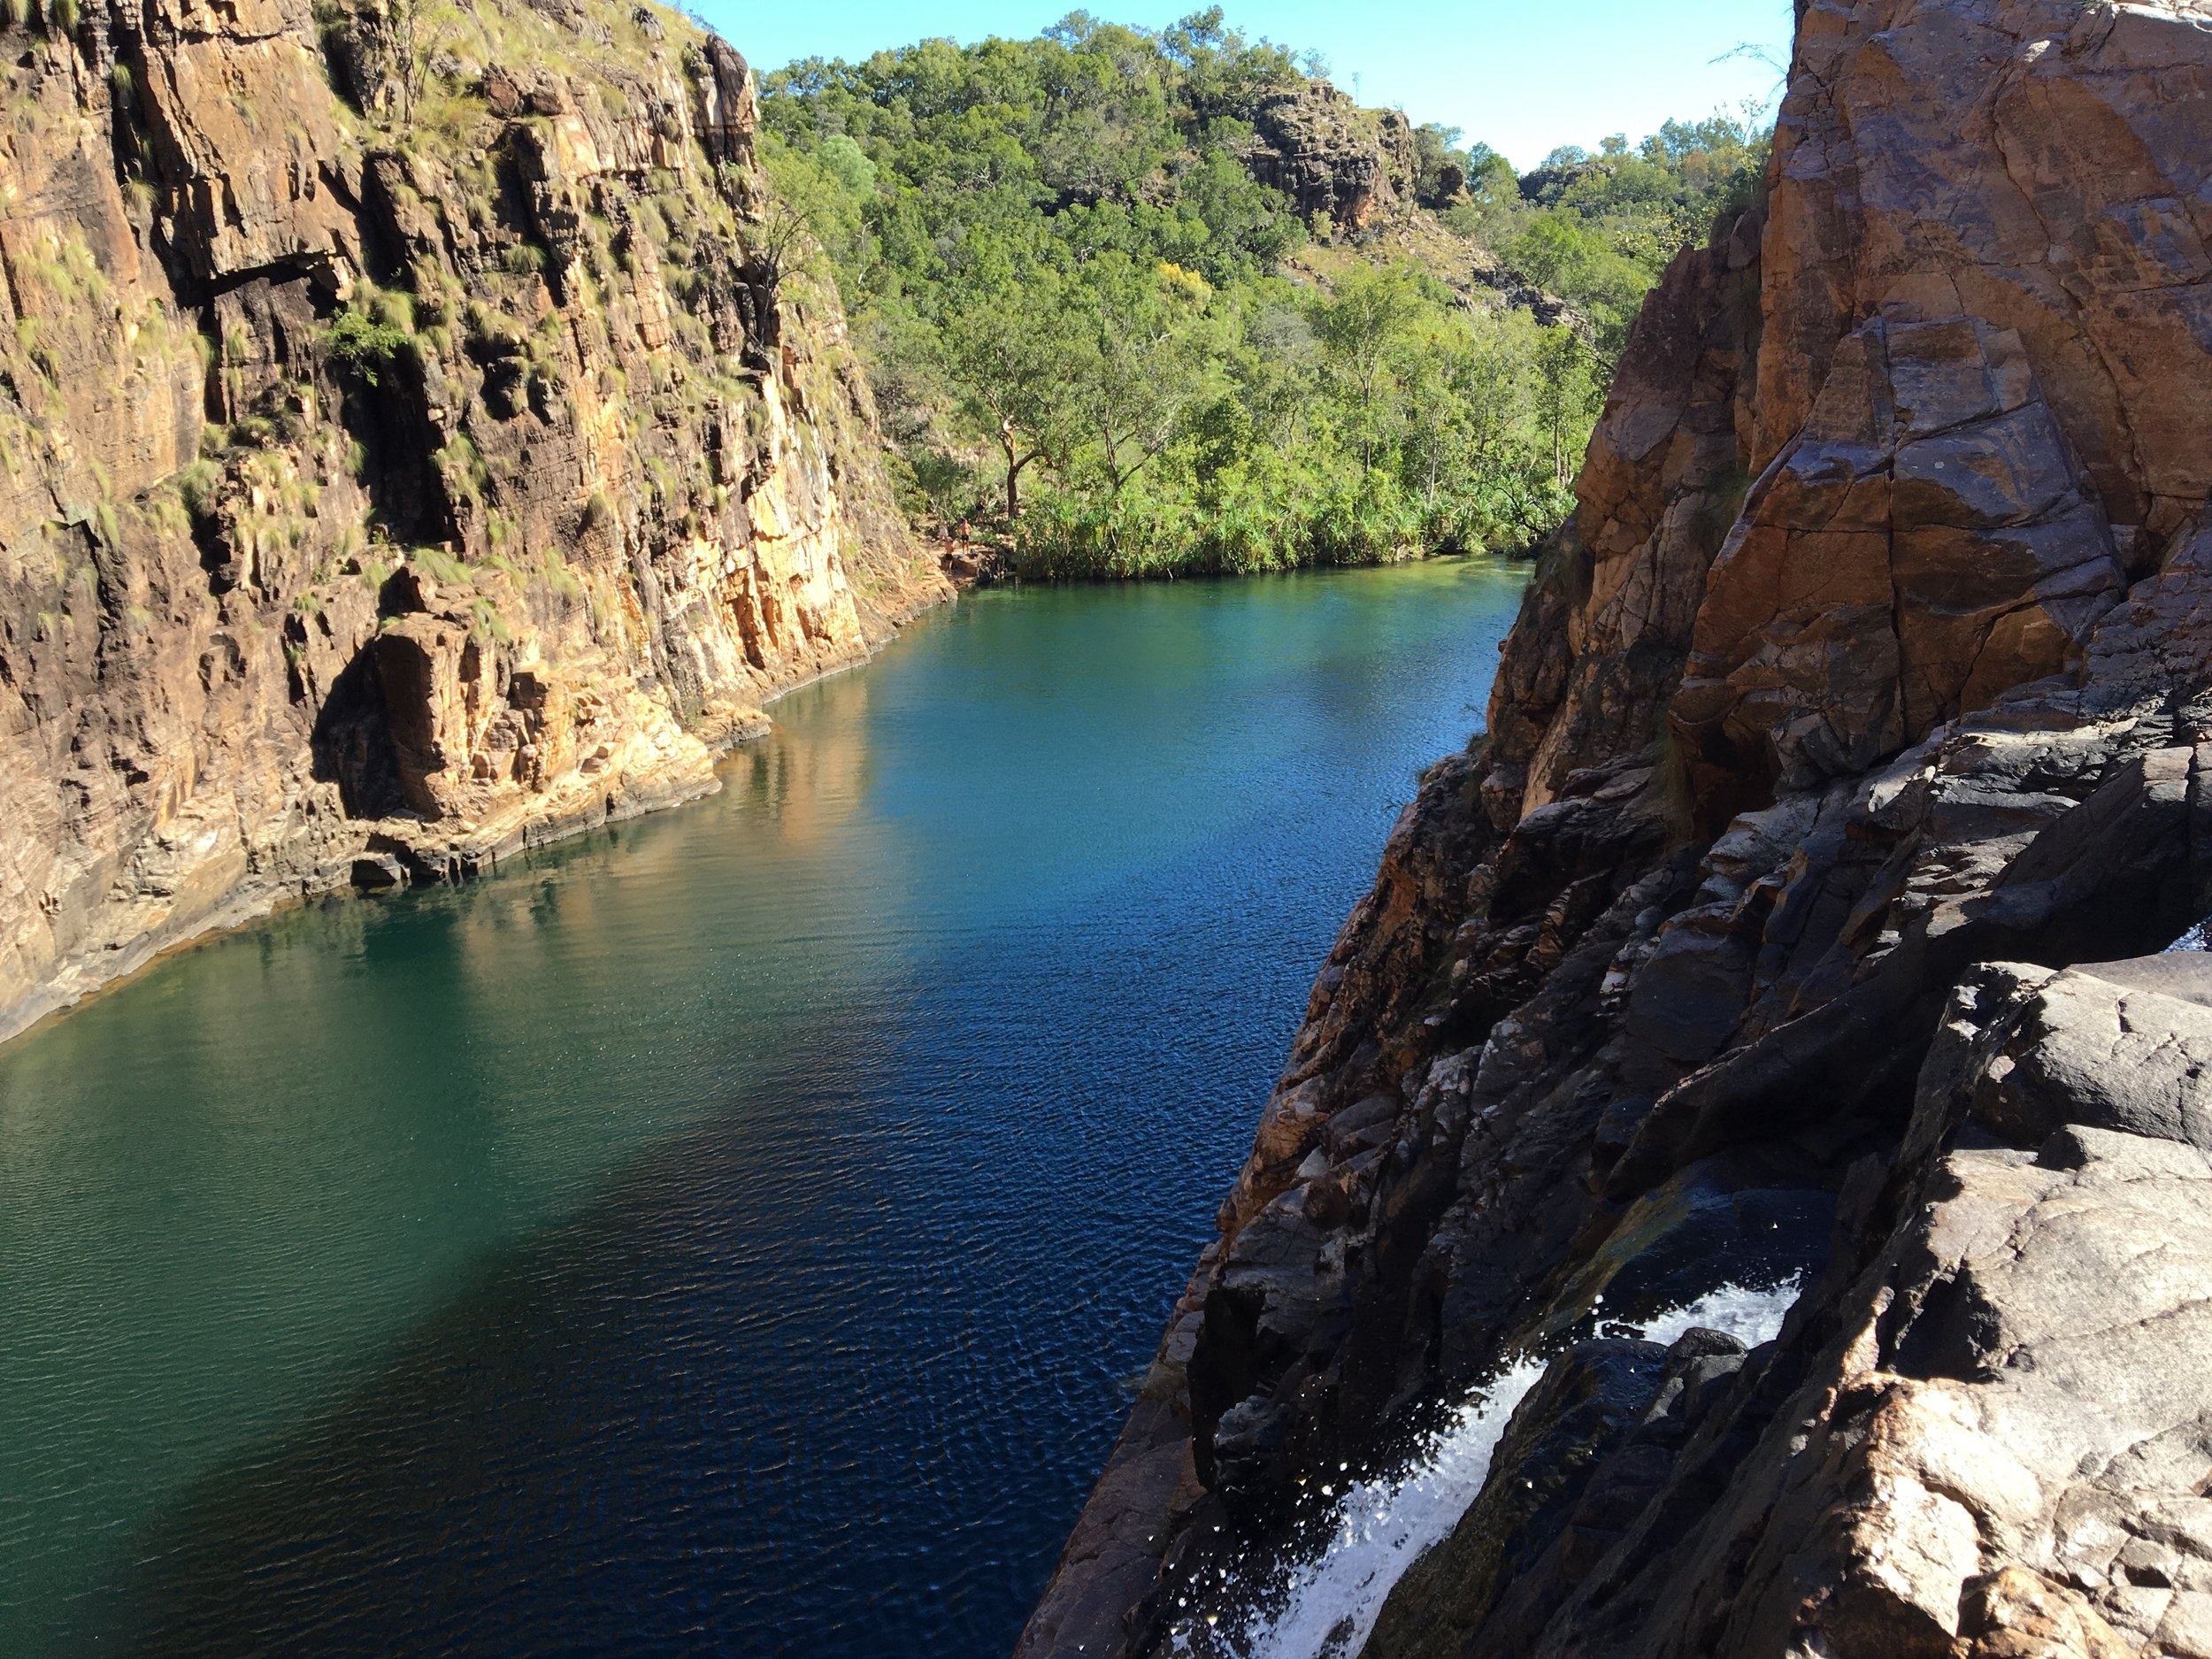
(729, 1234)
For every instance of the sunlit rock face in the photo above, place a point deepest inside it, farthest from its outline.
(406, 450)
(1341, 166)
(1878, 652)
(1980, 409)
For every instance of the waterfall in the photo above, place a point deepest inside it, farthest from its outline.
(1383, 1526)
(1326, 1608)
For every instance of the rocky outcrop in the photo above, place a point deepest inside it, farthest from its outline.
(1342, 167)
(404, 454)
(1876, 655)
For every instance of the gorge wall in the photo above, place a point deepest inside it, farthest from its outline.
(1868, 692)
(415, 441)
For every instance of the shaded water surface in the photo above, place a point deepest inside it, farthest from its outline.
(731, 1235)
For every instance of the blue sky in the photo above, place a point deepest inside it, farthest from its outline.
(1522, 76)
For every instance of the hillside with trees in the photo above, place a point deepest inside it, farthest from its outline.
(1143, 303)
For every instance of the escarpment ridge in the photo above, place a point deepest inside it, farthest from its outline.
(1862, 710)
(418, 436)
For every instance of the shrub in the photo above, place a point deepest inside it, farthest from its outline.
(366, 346)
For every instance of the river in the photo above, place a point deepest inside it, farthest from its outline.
(731, 1233)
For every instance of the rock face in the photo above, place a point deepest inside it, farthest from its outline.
(1878, 657)
(1980, 1436)
(1341, 166)
(407, 450)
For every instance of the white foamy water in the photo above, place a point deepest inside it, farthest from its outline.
(1752, 1317)
(1382, 1527)
(1326, 1608)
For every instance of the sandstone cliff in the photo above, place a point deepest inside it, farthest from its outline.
(1880, 652)
(413, 441)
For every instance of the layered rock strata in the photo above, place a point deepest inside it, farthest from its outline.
(415, 441)
(1880, 652)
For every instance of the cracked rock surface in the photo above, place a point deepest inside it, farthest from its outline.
(409, 450)
(1983, 1433)
(1866, 699)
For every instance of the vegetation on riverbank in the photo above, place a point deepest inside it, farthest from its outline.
(1095, 329)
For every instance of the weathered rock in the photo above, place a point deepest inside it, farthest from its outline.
(1586, 675)
(281, 608)
(1880, 651)
(1987, 1440)
(1927, 542)
(1341, 166)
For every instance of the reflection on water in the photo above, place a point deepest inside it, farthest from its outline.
(725, 1234)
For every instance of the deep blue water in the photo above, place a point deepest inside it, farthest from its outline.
(731, 1235)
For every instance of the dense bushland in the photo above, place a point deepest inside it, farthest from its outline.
(1093, 330)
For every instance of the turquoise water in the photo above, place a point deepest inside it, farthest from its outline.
(731, 1233)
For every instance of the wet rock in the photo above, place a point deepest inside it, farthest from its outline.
(1587, 1454)
(1719, 1222)
(1589, 1400)
(1246, 1440)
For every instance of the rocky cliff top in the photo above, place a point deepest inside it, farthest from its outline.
(1877, 653)
(1342, 167)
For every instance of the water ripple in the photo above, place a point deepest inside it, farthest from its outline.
(728, 1235)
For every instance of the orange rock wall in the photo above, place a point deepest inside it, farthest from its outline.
(279, 612)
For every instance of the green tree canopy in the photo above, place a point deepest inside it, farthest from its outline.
(1091, 325)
